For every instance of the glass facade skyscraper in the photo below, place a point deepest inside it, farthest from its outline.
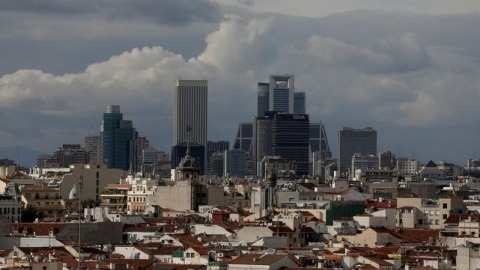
(118, 140)
(299, 102)
(262, 98)
(291, 139)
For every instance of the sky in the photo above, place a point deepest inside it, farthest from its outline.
(410, 69)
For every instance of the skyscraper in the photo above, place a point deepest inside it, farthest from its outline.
(262, 98)
(263, 133)
(291, 139)
(352, 141)
(299, 102)
(190, 112)
(244, 138)
(119, 140)
(319, 148)
(280, 93)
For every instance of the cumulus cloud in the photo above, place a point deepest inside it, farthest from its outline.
(388, 81)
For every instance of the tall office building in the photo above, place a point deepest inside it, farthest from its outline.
(319, 149)
(262, 98)
(318, 139)
(263, 132)
(244, 138)
(280, 95)
(291, 139)
(119, 140)
(93, 148)
(352, 141)
(299, 102)
(190, 113)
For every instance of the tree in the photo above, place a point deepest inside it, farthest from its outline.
(90, 203)
(30, 213)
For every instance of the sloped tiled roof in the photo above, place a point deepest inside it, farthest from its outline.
(38, 228)
(258, 259)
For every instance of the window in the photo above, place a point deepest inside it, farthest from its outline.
(98, 174)
(444, 216)
(444, 206)
(437, 222)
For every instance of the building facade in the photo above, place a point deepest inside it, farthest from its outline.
(190, 112)
(299, 102)
(234, 163)
(351, 141)
(119, 140)
(93, 148)
(291, 139)
(280, 95)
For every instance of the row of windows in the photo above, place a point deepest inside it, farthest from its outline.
(8, 210)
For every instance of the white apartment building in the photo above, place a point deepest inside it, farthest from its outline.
(142, 187)
(407, 167)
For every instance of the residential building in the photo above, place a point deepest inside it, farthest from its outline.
(407, 167)
(93, 148)
(415, 212)
(91, 178)
(114, 197)
(351, 141)
(69, 154)
(47, 199)
(10, 202)
(137, 196)
(363, 162)
(387, 161)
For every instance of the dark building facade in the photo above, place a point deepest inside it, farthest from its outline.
(262, 98)
(119, 140)
(197, 151)
(291, 139)
(351, 141)
(299, 102)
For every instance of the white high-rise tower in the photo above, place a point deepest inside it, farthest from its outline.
(190, 110)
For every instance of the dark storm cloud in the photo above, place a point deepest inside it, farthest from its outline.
(173, 12)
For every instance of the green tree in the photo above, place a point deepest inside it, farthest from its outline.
(30, 213)
(90, 203)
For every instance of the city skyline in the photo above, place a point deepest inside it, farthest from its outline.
(408, 70)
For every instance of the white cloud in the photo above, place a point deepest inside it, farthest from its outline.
(398, 80)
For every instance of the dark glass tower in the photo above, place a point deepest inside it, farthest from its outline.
(299, 102)
(118, 140)
(291, 139)
(262, 98)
